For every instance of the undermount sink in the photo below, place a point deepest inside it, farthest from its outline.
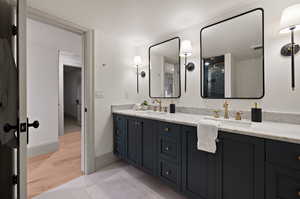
(230, 121)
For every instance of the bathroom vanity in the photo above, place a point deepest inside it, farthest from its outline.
(257, 162)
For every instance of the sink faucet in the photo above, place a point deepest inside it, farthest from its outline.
(226, 112)
(159, 102)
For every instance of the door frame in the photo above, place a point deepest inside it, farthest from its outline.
(88, 67)
(67, 59)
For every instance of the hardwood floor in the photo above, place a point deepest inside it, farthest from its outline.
(51, 170)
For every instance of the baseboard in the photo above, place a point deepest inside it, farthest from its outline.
(105, 160)
(42, 149)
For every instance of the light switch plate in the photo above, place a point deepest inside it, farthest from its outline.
(99, 94)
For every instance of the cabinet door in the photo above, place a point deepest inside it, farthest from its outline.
(198, 168)
(120, 136)
(282, 183)
(132, 141)
(149, 146)
(241, 167)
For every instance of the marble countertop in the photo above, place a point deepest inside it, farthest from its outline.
(270, 130)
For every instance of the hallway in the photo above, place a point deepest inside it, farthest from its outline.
(51, 170)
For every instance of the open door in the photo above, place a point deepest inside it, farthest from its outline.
(13, 114)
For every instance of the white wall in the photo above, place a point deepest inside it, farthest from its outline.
(247, 82)
(278, 96)
(115, 83)
(43, 45)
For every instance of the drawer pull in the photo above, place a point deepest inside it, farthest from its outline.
(167, 129)
(168, 173)
(167, 148)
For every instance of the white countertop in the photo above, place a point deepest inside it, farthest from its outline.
(270, 130)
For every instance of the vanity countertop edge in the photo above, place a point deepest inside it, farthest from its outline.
(269, 130)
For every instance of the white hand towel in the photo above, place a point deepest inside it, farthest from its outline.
(207, 132)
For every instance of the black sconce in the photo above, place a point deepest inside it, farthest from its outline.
(138, 61)
(290, 22)
(186, 51)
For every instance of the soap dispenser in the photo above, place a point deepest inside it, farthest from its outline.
(256, 113)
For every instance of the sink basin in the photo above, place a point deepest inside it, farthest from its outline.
(230, 121)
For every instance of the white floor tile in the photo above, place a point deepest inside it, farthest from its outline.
(119, 180)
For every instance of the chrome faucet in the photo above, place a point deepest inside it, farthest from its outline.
(226, 112)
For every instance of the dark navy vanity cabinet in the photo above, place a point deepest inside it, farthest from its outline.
(243, 167)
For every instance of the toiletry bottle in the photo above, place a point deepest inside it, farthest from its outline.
(256, 113)
(172, 107)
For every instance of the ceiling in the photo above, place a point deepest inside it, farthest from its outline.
(136, 21)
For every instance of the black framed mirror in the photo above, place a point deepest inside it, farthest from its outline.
(164, 69)
(232, 57)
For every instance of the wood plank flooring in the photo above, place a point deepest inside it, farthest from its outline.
(51, 170)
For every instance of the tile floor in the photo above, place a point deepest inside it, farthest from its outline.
(118, 181)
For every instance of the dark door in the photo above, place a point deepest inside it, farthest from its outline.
(133, 141)
(149, 146)
(198, 168)
(8, 99)
(241, 167)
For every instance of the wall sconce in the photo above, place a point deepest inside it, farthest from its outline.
(290, 22)
(138, 61)
(186, 51)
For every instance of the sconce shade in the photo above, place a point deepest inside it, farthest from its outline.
(186, 48)
(290, 18)
(137, 60)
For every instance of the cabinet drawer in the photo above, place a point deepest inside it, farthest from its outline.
(168, 129)
(284, 154)
(169, 172)
(169, 148)
(282, 183)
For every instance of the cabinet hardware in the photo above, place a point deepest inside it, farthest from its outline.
(167, 129)
(167, 148)
(168, 173)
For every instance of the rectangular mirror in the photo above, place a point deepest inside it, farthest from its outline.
(164, 69)
(232, 57)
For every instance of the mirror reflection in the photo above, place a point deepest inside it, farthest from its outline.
(164, 67)
(232, 57)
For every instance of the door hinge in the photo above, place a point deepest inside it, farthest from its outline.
(15, 179)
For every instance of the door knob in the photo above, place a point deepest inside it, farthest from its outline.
(34, 124)
(7, 128)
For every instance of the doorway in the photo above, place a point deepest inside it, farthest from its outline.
(72, 99)
(54, 88)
